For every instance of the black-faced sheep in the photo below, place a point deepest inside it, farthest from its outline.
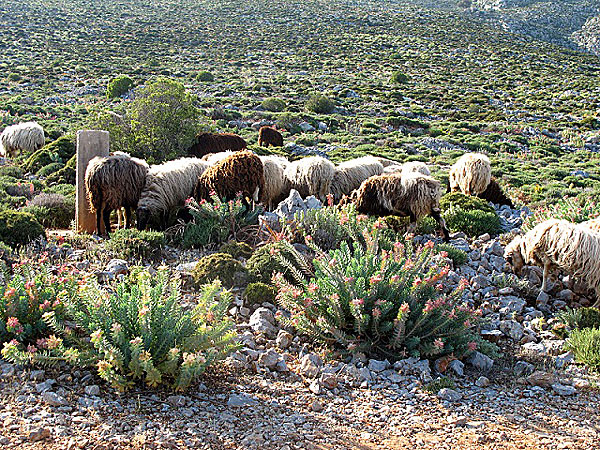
(350, 174)
(471, 174)
(311, 176)
(213, 143)
(414, 195)
(241, 172)
(25, 136)
(275, 188)
(559, 245)
(493, 193)
(269, 136)
(113, 182)
(167, 187)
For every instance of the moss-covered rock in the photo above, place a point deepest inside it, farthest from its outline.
(49, 169)
(19, 227)
(132, 243)
(59, 150)
(237, 249)
(52, 210)
(218, 265)
(263, 262)
(66, 175)
(257, 293)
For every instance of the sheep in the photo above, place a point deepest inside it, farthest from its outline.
(394, 168)
(493, 193)
(592, 224)
(25, 136)
(350, 174)
(275, 188)
(385, 162)
(212, 158)
(113, 182)
(212, 143)
(471, 174)
(240, 172)
(167, 187)
(269, 136)
(414, 195)
(559, 245)
(415, 166)
(311, 176)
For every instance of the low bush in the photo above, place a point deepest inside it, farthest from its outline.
(576, 319)
(132, 243)
(575, 210)
(205, 75)
(399, 78)
(263, 264)
(458, 257)
(12, 171)
(138, 332)
(466, 202)
(585, 345)
(273, 104)
(60, 150)
(217, 266)
(237, 249)
(119, 86)
(52, 210)
(384, 303)
(19, 228)
(217, 221)
(66, 175)
(33, 290)
(257, 293)
(320, 104)
(470, 215)
(49, 169)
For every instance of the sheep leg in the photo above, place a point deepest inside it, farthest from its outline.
(98, 220)
(127, 217)
(545, 276)
(106, 216)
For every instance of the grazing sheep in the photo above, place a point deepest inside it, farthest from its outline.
(471, 174)
(493, 193)
(168, 186)
(311, 176)
(241, 172)
(275, 188)
(414, 195)
(592, 224)
(113, 182)
(212, 143)
(269, 136)
(25, 136)
(212, 158)
(415, 166)
(394, 168)
(559, 245)
(350, 174)
(385, 162)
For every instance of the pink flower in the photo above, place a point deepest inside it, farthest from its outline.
(329, 199)
(308, 238)
(334, 297)
(13, 325)
(376, 279)
(308, 302)
(472, 346)
(29, 284)
(395, 278)
(358, 302)
(444, 254)
(376, 313)
(417, 282)
(144, 310)
(31, 348)
(9, 292)
(344, 219)
(312, 288)
(41, 343)
(467, 324)
(378, 225)
(44, 306)
(188, 201)
(438, 343)
(429, 245)
(404, 308)
(332, 263)
(348, 279)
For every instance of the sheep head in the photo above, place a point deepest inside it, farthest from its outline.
(513, 254)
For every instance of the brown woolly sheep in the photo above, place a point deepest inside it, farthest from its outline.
(414, 195)
(493, 193)
(214, 143)
(242, 172)
(269, 136)
(113, 182)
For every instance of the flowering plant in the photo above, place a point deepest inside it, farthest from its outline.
(386, 303)
(574, 210)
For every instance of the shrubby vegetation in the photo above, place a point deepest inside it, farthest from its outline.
(119, 86)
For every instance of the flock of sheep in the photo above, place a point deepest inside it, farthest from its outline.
(377, 186)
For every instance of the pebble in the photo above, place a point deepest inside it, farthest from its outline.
(481, 362)
(450, 395)
(92, 390)
(310, 365)
(482, 382)
(563, 390)
(39, 434)
(237, 400)
(53, 399)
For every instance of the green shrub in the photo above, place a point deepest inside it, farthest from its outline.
(19, 228)
(576, 319)
(217, 266)
(216, 221)
(575, 210)
(138, 332)
(440, 383)
(257, 293)
(119, 86)
(273, 104)
(32, 290)
(466, 202)
(52, 210)
(60, 151)
(585, 345)
(49, 169)
(237, 249)
(12, 171)
(68, 190)
(458, 257)
(66, 175)
(399, 78)
(14, 77)
(263, 263)
(132, 243)
(471, 215)
(205, 75)
(386, 304)
(320, 104)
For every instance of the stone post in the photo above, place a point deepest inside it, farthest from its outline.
(90, 143)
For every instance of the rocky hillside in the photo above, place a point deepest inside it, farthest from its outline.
(571, 23)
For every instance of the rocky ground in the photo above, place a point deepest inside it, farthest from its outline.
(279, 392)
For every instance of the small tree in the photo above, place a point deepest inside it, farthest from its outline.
(118, 86)
(399, 78)
(320, 104)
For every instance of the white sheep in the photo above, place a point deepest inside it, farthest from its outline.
(471, 174)
(275, 188)
(25, 136)
(311, 176)
(415, 166)
(168, 186)
(213, 158)
(350, 174)
(559, 245)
